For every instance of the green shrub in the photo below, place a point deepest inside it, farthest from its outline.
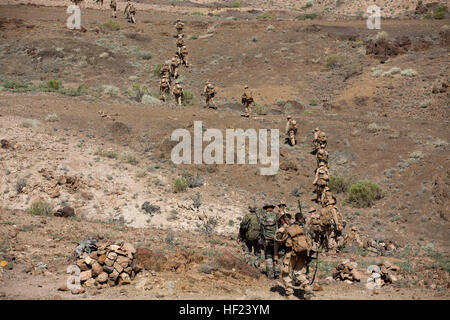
(333, 61)
(51, 85)
(260, 110)
(130, 158)
(197, 13)
(310, 16)
(111, 25)
(137, 91)
(339, 184)
(193, 181)
(188, 98)
(106, 154)
(236, 4)
(16, 86)
(145, 55)
(363, 194)
(179, 185)
(157, 69)
(439, 11)
(53, 117)
(40, 208)
(264, 16)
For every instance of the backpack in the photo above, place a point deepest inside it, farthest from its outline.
(251, 226)
(297, 239)
(326, 217)
(269, 225)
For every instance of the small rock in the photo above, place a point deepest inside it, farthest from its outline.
(102, 277)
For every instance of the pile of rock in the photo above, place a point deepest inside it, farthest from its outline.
(347, 271)
(380, 247)
(389, 272)
(108, 265)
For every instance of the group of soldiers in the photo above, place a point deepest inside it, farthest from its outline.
(129, 11)
(169, 71)
(296, 240)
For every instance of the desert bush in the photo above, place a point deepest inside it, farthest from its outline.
(307, 16)
(137, 91)
(173, 215)
(440, 11)
(339, 184)
(197, 13)
(264, 16)
(192, 180)
(188, 98)
(111, 25)
(51, 85)
(260, 110)
(106, 153)
(40, 208)
(236, 4)
(179, 185)
(382, 35)
(147, 207)
(333, 61)
(53, 117)
(409, 73)
(129, 158)
(29, 123)
(196, 200)
(21, 183)
(363, 193)
(157, 69)
(16, 86)
(110, 90)
(145, 55)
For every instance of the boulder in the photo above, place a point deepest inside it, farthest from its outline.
(85, 275)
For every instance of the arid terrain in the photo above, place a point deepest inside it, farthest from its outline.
(82, 126)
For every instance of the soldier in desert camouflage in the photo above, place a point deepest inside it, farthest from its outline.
(322, 156)
(165, 70)
(320, 140)
(178, 93)
(333, 222)
(130, 11)
(174, 64)
(291, 130)
(184, 56)
(113, 6)
(179, 26)
(321, 180)
(164, 88)
(247, 101)
(209, 92)
(180, 43)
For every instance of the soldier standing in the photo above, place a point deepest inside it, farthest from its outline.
(322, 156)
(113, 6)
(320, 140)
(180, 43)
(164, 88)
(296, 259)
(165, 70)
(249, 235)
(209, 91)
(268, 229)
(291, 130)
(178, 93)
(174, 64)
(321, 180)
(332, 220)
(179, 26)
(183, 56)
(130, 11)
(247, 101)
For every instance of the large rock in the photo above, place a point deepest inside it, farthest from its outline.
(85, 275)
(97, 269)
(102, 277)
(128, 247)
(150, 260)
(124, 279)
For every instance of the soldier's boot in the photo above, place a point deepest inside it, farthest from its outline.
(269, 269)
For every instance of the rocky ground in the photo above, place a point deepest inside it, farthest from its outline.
(97, 145)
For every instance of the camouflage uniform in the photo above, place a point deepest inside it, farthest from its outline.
(320, 140)
(268, 229)
(179, 26)
(178, 93)
(209, 92)
(165, 70)
(174, 64)
(321, 180)
(249, 235)
(130, 11)
(314, 228)
(333, 222)
(247, 101)
(322, 156)
(291, 130)
(180, 43)
(164, 88)
(184, 56)
(296, 259)
(113, 6)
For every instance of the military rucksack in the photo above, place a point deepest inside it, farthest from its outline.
(269, 225)
(251, 226)
(297, 239)
(326, 217)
